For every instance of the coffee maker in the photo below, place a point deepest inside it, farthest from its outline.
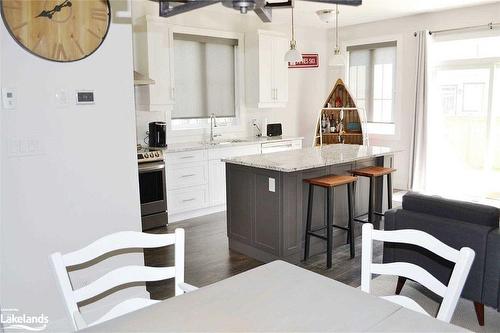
(158, 134)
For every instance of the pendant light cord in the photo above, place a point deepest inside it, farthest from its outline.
(336, 26)
(293, 28)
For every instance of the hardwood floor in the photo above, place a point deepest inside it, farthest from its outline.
(208, 258)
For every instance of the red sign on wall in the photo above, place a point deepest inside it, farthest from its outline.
(309, 60)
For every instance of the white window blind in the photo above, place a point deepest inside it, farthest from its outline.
(372, 77)
(204, 75)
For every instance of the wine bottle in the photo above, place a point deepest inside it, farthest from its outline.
(332, 124)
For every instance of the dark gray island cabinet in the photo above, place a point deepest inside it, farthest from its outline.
(267, 198)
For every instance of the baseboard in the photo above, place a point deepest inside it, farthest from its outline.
(177, 217)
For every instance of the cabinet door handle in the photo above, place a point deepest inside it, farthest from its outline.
(172, 93)
(185, 157)
(190, 175)
(187, 200)
(276, 93)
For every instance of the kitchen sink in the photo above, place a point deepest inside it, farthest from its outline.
(226, 142)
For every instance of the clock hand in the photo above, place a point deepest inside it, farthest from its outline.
(57, 8)
(45, 13)
(66, 3)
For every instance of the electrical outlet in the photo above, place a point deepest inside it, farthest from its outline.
(272, 185)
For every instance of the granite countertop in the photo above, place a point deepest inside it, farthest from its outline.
(309, 158)
(229, 142)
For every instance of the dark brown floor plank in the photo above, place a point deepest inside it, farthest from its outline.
(208, 258)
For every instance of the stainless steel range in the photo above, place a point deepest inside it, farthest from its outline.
(152, 188)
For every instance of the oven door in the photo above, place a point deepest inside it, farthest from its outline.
(152, 188)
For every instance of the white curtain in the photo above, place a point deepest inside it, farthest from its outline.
(418, 150)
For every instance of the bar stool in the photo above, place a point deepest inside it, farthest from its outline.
(374, 172)
(329, 183)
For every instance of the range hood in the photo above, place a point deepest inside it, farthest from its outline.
(141, 79)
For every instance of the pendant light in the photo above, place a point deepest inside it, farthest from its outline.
(327, 16)
(337, 59)
(293, 55)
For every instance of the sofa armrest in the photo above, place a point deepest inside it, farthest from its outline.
(454, 233)
(491, 289)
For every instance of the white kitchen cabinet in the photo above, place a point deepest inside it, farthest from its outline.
(187, 199)
(153, 58)
(217, 182)
(187, 181)
(196, 179)
(266, 69)
(217, 169)
(188, 174)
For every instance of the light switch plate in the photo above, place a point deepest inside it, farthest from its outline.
(272, 185)
(62, 98)
(25, 146)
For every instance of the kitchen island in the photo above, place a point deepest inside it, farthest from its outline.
(267, 198)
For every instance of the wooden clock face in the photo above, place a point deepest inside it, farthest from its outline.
(58, 30)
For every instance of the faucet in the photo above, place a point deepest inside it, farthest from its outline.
(213, 123)
(254, 123)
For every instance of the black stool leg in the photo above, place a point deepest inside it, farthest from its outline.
(371, 200)
(350, 204)
(348, 237)
(329, 227)
(308, 221)
(389, 191)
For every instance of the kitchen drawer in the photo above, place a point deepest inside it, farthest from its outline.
(186, 175)
(220, 153)
(271, 147)
(186, 157)
(187, 199)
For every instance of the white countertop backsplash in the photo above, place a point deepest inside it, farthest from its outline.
(229, 142)
(309, 158)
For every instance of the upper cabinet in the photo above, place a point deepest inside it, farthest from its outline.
(153, 49)
(266, 69)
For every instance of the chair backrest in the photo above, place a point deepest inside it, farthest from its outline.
(120, 276)
(463, 260)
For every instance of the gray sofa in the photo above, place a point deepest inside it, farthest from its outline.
(457, 224)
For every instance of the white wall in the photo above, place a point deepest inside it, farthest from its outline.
(404, 29)
(81, 180)
(307, 87)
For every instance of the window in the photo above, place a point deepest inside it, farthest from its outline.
(205, 80)
(464, 117)
(372, 77)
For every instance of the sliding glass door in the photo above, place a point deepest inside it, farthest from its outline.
(463, 147)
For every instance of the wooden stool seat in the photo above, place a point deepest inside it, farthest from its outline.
(373, 171)
(331, 180)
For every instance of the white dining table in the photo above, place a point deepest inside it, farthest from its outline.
(276, 297)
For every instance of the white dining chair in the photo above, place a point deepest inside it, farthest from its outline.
(451, 293)
(120, 276)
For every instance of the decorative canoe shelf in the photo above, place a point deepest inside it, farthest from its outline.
(341, 108)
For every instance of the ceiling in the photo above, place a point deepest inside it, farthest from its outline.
(369, 11)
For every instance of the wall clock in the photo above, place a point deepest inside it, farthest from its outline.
(58, 30)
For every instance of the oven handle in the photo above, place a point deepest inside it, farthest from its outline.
(153, 167)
